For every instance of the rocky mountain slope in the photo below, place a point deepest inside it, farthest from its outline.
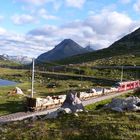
(64, 49)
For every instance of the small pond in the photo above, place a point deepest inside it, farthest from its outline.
(7, 83)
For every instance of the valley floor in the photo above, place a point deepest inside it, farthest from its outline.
(97, 123)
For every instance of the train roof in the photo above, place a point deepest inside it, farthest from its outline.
(127, 82)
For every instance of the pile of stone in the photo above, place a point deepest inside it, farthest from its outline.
(50, 100)
(127, 104)
(72, 104)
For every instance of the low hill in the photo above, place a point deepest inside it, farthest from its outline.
(128, 45)
(65, 49)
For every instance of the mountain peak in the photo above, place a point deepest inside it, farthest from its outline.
(68, 40)
(67, 43)
(64, 49)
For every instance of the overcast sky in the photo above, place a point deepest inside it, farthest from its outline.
(32, 27)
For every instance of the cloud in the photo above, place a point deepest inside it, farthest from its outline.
(2, 31)
(14, 44)
(44, 14)
(103, 29)
(75, 3)
(56, 3)
(136, 6)
(23, 19)
(108, 22)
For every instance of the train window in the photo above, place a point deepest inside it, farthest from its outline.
(128, 85)
(116, 85)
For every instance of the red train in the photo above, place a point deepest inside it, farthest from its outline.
(51, 102)
(122, 86)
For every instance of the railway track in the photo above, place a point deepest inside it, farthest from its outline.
(24, 115)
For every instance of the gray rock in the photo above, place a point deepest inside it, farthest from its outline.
(117, 109)
(65, 110)
(73, 102)
(121, 105)
(51, 115)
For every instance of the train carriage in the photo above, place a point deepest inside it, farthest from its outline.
(36, 104)
(122, 86)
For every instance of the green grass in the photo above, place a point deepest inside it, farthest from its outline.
(126, 60)
(119, 60)
(11, 104)
(115, 74)
(97, 105)
(15, 74)
(8, 63)
(97, 123)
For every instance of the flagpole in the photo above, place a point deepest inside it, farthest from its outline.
(122, 74)
(33, 66)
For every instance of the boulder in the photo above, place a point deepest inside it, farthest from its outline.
(118, 109)
(16, 91)
(72, 103)
(120, 105)
(51, 115)
(19, 91)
